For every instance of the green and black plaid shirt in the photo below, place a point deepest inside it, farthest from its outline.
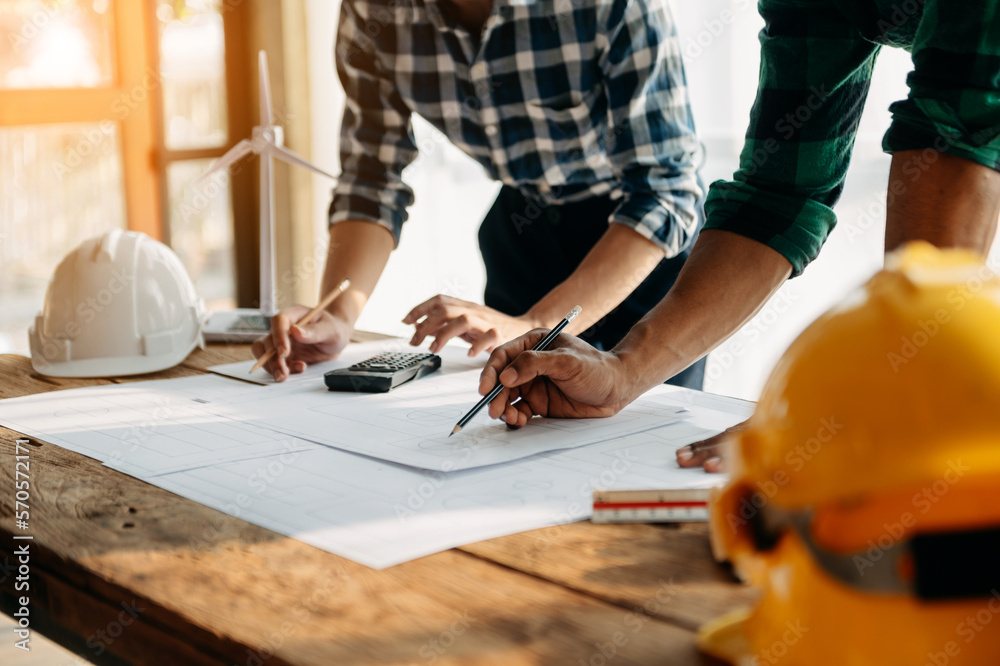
(816, 64)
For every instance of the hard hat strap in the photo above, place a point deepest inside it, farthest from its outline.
(930, 566)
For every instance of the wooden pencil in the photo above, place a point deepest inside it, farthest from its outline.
(308, 317)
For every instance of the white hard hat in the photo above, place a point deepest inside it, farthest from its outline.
(119, 304)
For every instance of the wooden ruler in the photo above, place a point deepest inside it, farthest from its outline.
(651, 506)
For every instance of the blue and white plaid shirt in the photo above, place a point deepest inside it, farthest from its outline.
(561, 99)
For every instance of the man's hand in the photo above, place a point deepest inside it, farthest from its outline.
(570, 379)
(444, 318)
(298, 346)
(708, 453)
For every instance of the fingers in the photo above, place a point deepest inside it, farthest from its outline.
(696, 454)
(428, 307)
(444, 317)
(530, 365)
(261, 346)
(708, 453)
(517, 415)
(296, 346)
(294, 366)
(280, 323)
(324, 338)
(503, 355)
(457, 326)
(414, 315)
(715, 465)
(485, 342)
(309, 334)
(434, 313)
(429, 326)
(499, 404)
(272, 367)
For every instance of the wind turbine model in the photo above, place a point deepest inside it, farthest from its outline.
(245, 325)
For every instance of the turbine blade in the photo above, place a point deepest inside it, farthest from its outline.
(286, 155)
(266, 117)
(243, 148)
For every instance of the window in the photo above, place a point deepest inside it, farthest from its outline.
(108, 110)
(194, 131)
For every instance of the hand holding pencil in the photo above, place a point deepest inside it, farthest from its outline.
(293, 343)
(570, 379)
(540, 345)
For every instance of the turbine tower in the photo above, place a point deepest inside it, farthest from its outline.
(267, 141)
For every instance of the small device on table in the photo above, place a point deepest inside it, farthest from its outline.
(241, 325)
(382, 373)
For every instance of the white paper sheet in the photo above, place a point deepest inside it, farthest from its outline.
(352, 354)
(146, 428)
(411, 425)
(163, 426)
(381, 514)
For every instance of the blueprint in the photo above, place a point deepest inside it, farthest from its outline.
(373, 478)
(381, 514)
(147, 428)
(352, 354)
(411, 424)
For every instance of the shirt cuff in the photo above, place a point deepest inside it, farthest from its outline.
(358, 207)
(652, 219)
(795, 227)
(913, 129)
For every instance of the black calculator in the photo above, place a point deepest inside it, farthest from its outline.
(382, 373)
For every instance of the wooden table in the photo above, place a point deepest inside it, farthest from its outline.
(124, 572)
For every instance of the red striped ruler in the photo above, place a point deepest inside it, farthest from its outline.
(650, 506)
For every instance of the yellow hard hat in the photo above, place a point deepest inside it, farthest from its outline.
(864, 498)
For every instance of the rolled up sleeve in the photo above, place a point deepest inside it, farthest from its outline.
(376, 136)
(651, 143)
(953, 104)
(814, 77)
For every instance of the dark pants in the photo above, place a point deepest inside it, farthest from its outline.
(530, 247)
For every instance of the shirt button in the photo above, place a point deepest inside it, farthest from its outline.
(491, 130)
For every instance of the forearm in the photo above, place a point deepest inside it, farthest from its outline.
(950, 202)
(358, 250)
(613, 268)
(724, 282)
